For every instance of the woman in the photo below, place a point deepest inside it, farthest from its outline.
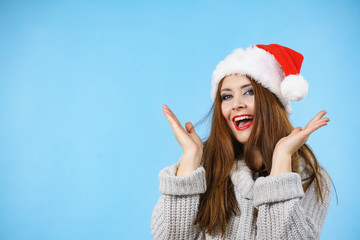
(254, 177)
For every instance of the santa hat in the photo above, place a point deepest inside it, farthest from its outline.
(275, 67)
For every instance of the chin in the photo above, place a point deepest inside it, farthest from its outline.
(243, 138)
(242, 141)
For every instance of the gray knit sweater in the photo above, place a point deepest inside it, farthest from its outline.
(284, 210)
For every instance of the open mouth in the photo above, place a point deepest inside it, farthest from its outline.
(242, 122)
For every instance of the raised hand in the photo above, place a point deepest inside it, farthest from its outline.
(288, 145)
(189, 141)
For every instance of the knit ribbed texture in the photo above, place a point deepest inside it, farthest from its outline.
(276, 188)
(192, 183)
(284, 210)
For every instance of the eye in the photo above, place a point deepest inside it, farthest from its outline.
(249, 92)
(225, 97)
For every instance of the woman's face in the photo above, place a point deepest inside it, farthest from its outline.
(238, 105)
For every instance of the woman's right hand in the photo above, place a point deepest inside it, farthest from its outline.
(189, 141)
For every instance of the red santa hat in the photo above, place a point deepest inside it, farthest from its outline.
(275, 67)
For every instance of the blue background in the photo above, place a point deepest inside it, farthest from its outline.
(82, 134)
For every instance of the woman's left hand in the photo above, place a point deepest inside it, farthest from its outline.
(288, 145)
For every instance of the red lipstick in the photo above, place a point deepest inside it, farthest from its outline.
(245, 126)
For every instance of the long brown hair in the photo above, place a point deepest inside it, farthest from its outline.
(218, 204)
(272, 116)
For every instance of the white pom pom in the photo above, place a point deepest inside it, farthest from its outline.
(294, 87)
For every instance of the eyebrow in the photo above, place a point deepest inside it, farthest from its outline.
(229, 89)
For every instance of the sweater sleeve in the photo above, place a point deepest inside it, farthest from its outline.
(176, 209)
(285, 211)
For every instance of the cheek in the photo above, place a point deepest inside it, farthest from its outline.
(252, 104)
(226, 114)
(225, 111)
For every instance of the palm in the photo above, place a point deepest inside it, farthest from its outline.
(298, 137)
(188, 139)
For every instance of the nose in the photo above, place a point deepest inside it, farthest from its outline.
(238, 103)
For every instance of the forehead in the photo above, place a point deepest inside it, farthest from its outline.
(235, 81)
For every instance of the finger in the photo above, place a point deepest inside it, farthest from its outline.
(295, 130)
(322, 120)
(317, 117)
(173, 121)
(189, 127)
(314, 127)
(326, 119)
(168, 111)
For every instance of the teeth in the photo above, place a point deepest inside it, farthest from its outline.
(242, 118)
